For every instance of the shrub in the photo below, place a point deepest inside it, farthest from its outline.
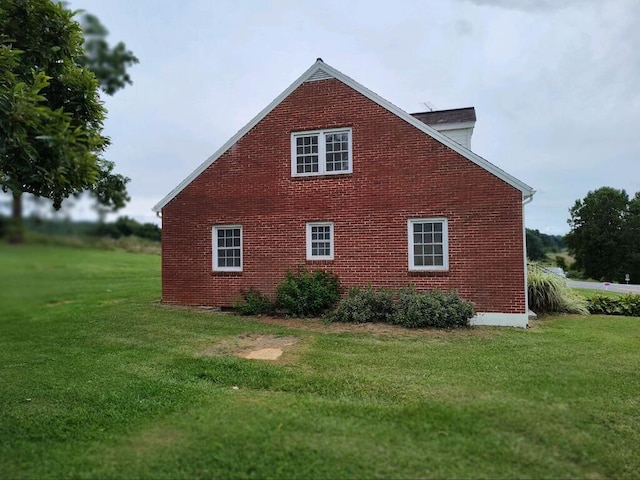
(407, 308)
(254, 303)
(549, 293)
(364, 305)
(433, 308)
(628, 305)
(308, 294)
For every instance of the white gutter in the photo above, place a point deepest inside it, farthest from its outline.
(527, 199)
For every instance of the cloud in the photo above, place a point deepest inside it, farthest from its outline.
(534, 6)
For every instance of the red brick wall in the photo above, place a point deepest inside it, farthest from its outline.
(398, 173)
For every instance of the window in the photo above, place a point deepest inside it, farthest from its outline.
(227, 248)
(320, 241)
(323, 152)
(428, 244)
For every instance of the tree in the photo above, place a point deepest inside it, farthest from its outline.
(633, 239)
(599, 236)
(108, 64)
(535, 250)
(539, 244)
(51, 117)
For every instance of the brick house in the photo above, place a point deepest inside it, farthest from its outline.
(330, 175)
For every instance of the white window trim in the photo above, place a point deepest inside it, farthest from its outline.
(322, 157)
(214, 245)
(445, 245)
(331, 241)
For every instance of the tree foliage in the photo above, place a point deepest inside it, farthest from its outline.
(539, 244)
(605, 234)
(51, 116)
(109, 64)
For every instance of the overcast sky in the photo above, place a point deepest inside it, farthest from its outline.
(555, 83)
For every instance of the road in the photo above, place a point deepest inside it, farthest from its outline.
(612, 287)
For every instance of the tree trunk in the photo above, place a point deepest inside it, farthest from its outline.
(16, 227)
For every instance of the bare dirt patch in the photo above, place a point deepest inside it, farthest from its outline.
(253, 346)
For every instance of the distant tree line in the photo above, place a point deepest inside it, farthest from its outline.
(122, 227)
(126, 227)
(540, 244)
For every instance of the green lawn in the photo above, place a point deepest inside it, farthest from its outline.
(590, 293)
(97, 380)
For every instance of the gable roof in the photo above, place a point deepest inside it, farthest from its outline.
(441, 117)
(321, 71)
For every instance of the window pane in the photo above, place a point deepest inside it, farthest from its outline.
(337, 150)
(428, 242)
(228, 252)
(319, 240)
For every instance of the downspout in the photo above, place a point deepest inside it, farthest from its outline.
(526, 199)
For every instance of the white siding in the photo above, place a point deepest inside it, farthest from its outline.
(459, 135)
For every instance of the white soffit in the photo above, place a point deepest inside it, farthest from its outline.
(321, 71)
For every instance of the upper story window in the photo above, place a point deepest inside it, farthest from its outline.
(320, 241)
(227, 248)
(321, 152)
(428, 244)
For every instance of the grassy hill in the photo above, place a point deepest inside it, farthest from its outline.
(98, 380)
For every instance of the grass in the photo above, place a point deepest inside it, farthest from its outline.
(97, 380)
(590, 293)
(131, 244)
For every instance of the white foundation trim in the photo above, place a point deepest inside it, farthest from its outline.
(501, 319)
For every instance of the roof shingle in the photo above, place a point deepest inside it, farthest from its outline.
(443, 117)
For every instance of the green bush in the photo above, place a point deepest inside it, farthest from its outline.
(407, 308)
(549, 293)
(628, 305)
(254, 303)
(307, 294)
(433, 308)
(364, 305)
